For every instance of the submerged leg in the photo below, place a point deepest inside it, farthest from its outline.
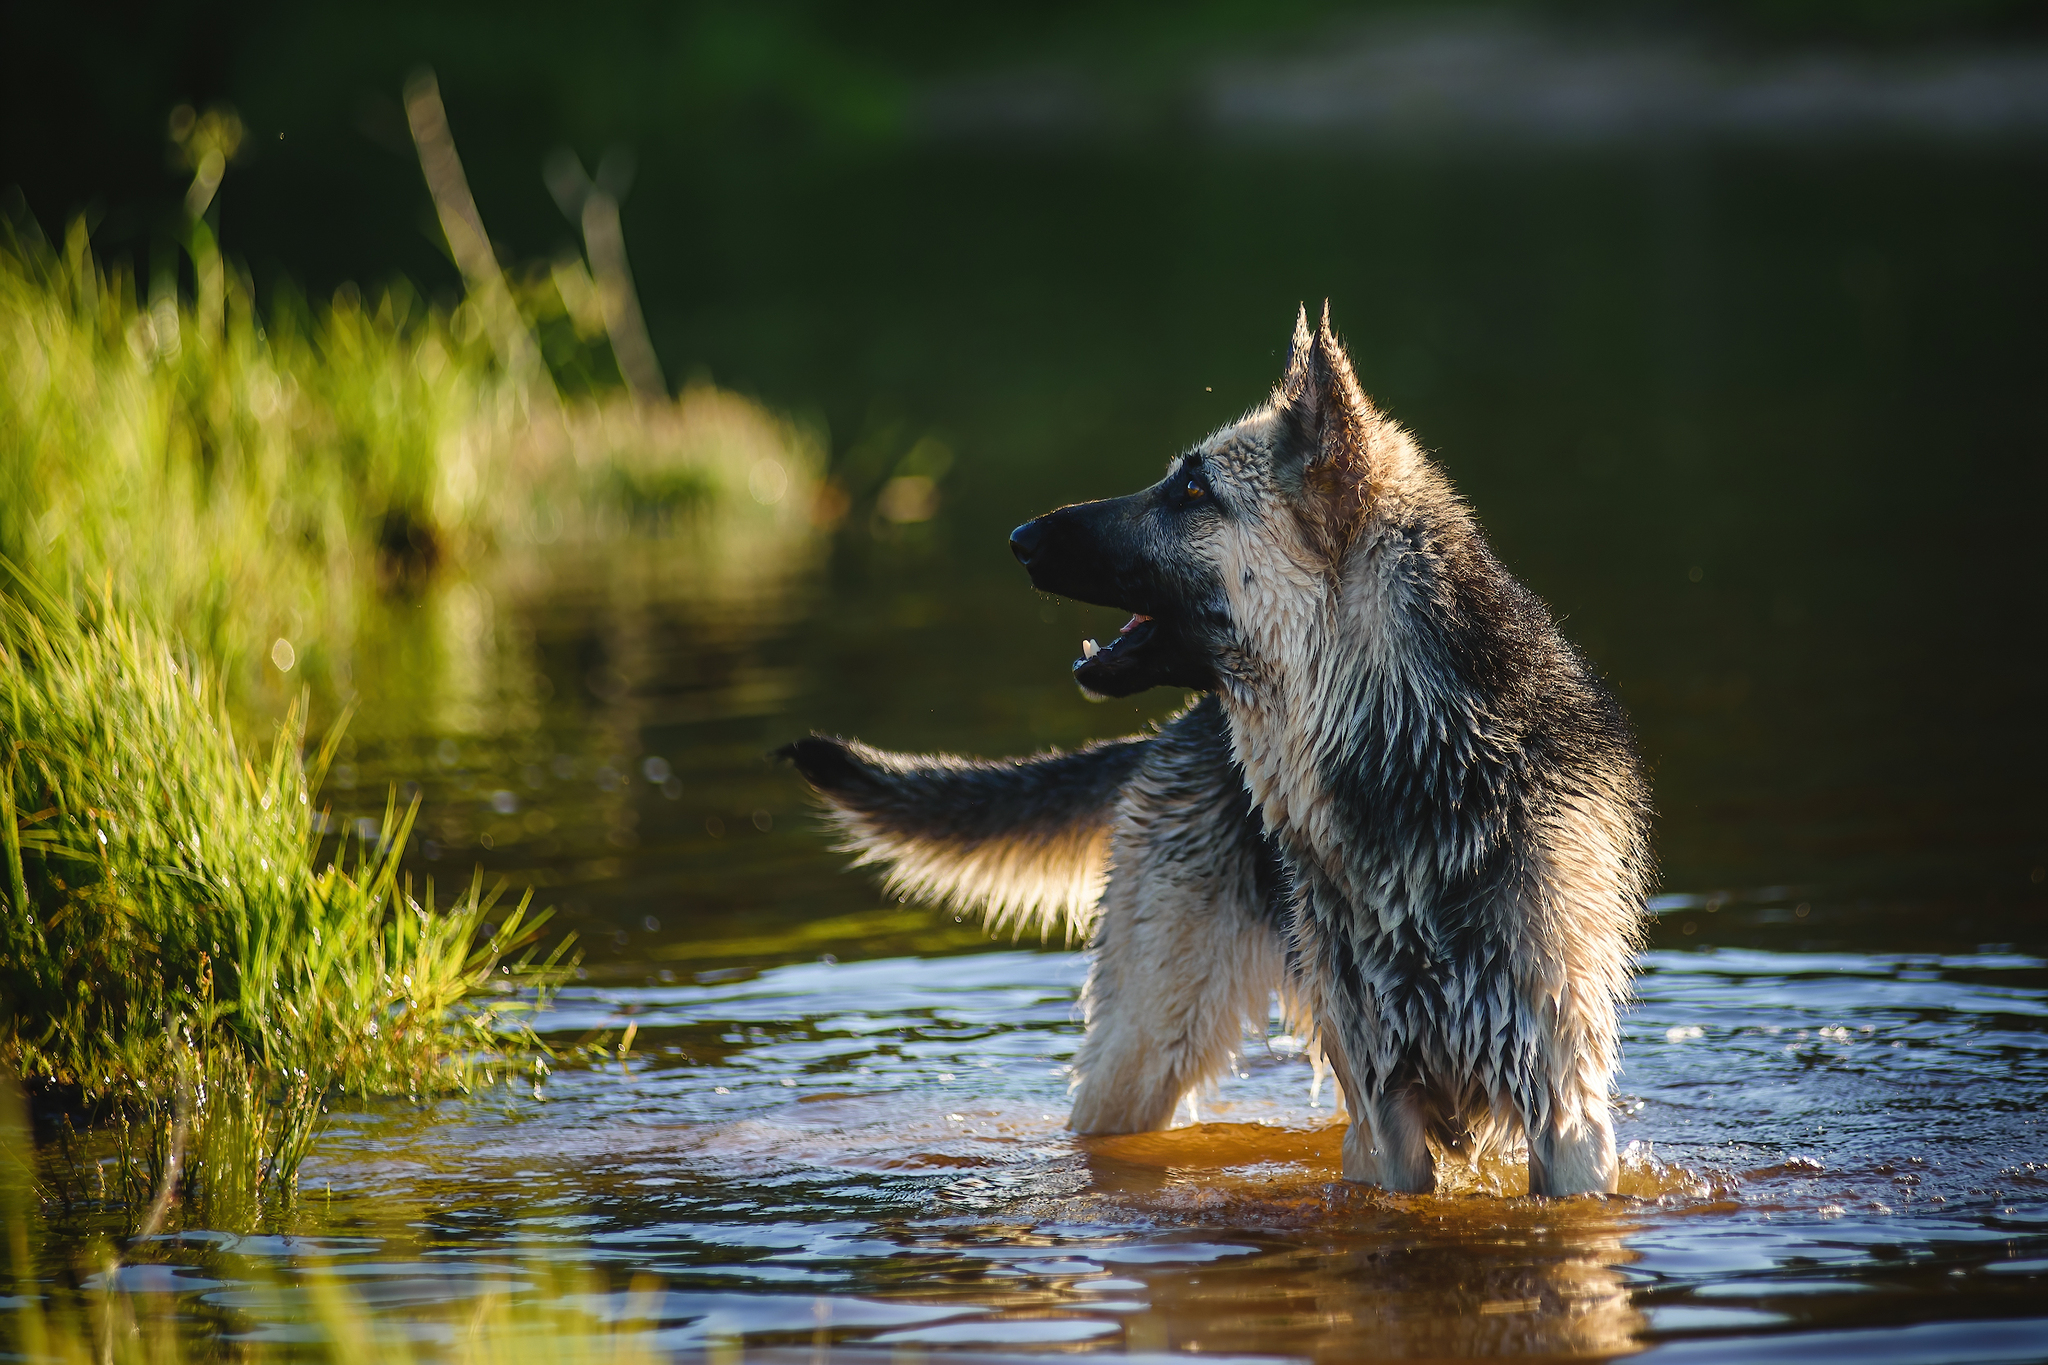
(1575, 1154)
(1187, 952)
(1174, 984)
(1387, 1142)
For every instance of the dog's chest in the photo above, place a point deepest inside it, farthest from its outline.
(1400, 808)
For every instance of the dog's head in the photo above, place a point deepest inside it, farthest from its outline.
(1213, 559)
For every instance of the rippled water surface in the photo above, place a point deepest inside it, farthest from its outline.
(1836, 1144)
(1760, 428)
(840, 1121)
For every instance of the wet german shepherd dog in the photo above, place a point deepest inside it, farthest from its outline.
(1404, 801)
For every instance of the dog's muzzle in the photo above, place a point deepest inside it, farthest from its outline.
(1027, 540)
(1080, 552)
(1091, 553)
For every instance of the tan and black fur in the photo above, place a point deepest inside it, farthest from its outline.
(1405, 802)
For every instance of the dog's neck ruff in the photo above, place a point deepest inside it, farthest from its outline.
(1337, 694)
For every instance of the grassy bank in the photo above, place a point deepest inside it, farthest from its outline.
(218, 518)
(176, 956)
(259, 486)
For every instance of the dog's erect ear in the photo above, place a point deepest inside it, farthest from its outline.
(1330, 423)
(1300, 356)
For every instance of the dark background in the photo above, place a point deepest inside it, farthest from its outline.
(1751, 398)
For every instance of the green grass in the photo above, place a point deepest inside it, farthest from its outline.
(175, 953)
(242, 482)
(212, 520)
(229, 479)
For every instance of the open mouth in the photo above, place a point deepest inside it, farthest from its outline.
(1087, 552)
(1112, 670)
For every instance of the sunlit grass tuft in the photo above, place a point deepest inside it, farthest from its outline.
(211, 517)
(244, 480)
(176, 956)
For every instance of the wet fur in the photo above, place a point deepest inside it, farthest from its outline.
(1406, 803)
(1023, 842)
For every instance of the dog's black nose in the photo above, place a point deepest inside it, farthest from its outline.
(1026, 540)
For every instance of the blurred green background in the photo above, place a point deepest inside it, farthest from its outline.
(1726, 318)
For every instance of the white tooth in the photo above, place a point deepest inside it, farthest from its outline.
(1089, 649)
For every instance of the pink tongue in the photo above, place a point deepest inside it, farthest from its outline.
(1132, 624)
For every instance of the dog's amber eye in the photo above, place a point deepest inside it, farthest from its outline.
(1193, 489)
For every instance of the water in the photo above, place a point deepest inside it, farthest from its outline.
(840, 1120)
(1830, 1144)
(1760, 424)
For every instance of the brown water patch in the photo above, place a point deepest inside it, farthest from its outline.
(1213, 1165)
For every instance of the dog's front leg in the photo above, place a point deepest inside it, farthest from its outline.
(1574, 1152)
(1187, 948)
(1386, 1144)
(1174, 983)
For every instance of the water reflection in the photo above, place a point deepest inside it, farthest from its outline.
(872, 1154)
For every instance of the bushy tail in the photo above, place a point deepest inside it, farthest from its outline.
(1020, 840)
